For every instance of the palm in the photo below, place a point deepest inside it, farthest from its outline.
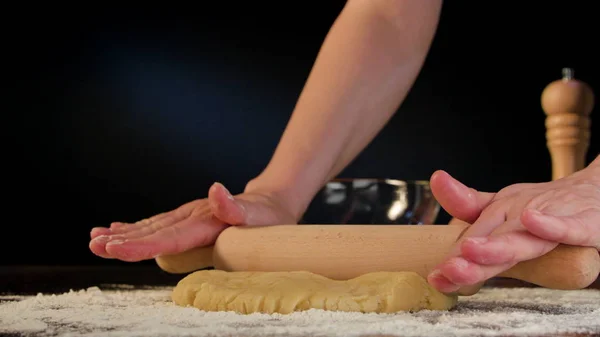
(195, 224)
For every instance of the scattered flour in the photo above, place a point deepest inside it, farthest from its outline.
(149, 312)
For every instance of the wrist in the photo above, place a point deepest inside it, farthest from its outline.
(287, 195)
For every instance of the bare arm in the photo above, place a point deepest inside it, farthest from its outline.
(366, 66)
(364, 70)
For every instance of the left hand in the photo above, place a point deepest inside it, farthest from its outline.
(519, 223)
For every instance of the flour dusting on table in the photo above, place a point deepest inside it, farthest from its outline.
(150, 312)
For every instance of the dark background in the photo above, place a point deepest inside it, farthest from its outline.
(117, 114)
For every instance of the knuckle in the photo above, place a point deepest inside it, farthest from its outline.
(589, 189)
(181, 213)
(145, 222)
(177, 236)
(582, 234)
(565, 235)
(541, 250)
(513, 189)
(155, 226)
(510, 253)
(568, 195)
(489, 210)
(542, 201)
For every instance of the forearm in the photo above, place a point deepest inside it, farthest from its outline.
(364, 70)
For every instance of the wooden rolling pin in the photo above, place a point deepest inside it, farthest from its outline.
(346, 251)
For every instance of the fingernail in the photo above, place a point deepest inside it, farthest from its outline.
(459, 262)
(227, 193)
(102, 238)
(477, 240)
(435, 273)
(441, 282)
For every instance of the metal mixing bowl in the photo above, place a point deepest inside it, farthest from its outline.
(373, 201)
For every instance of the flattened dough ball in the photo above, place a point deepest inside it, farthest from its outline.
(287, 292)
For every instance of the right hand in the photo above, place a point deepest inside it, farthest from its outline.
(194, 224)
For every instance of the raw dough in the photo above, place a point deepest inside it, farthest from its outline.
(286, 292)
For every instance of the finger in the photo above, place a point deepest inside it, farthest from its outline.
(98, 244)
(490, 219)
(180, 237)
(156, 223)
(459, 272)
(124, 227)
(260, 210)
(441, 283)
(505, 248)
(582, 229)
(485, 257)
(457, 199)
(134, 234)
(225, 207)
(97, 231)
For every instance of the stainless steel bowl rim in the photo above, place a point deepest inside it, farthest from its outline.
(396, 182)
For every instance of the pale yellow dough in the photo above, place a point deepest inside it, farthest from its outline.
(286, 292)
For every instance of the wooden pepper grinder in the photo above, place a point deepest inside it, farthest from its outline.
(567, 103)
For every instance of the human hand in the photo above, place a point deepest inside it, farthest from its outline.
(519, 223)
(195, 224)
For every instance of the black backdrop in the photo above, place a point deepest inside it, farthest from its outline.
(116, 114)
